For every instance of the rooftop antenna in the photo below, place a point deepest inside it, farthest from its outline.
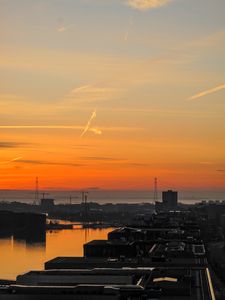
(36, 195)
(155, 189)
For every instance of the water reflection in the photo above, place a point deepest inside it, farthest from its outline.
(17, 255)
(86, 231)
(24, 237)
(21, 255)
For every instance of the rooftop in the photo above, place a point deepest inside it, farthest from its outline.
(110, 283)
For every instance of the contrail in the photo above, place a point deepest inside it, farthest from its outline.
(40, 127)
(12, 160)
(83, 87)
(95, 130)
(89, 123)
(130, 23)
(17, 158)
(92, 129)
(87, 128)
(207, 92)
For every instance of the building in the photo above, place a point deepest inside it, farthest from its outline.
(110, 248)
(169, 201)
(28, 226)
(155, 259)
(165, 260)
(47, 204)
(109, 283)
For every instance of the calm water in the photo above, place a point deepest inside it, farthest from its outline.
(103, 196)
(17, 257)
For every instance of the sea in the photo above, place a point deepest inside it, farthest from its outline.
(108, 196)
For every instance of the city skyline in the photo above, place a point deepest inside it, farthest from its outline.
(110, 94)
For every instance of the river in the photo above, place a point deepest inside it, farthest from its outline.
(18, 256)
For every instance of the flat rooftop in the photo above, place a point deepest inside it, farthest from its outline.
(94, 262)
(107, 242)
(178, 249)
(109, 283)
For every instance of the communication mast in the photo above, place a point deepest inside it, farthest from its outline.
(36, 196)
(155, 189)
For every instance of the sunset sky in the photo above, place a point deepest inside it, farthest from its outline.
(112, 93)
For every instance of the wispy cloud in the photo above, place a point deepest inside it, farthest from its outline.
(83, 146)
(207, 92)
(11, 97)
(209, 40)
(91, 93)
(147, 4)
(115, 160)
(43, 162)
(10, 145)
(138, 165)
(63, 28)
(206, 163)
(101, 158)
(93, 188)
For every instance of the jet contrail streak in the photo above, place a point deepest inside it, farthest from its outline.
(16, 158)
(130, 23)
(81, 88)
(207, 92)
(12, 160)
(40, 127)
(89, 123)
(70, 127)
(95, 130)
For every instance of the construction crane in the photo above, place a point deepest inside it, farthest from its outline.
(70, 199)
(85, 205)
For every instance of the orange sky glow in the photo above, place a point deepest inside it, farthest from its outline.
(111, 94)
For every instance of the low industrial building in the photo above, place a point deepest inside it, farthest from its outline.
(108, 283)
(122, 262)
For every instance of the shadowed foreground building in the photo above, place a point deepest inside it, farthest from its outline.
(26, 226)
(114, 283)
(165, 260)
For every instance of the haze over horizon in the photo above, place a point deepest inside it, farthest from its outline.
(110, 94)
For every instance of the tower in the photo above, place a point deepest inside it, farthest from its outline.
(155, 189)
(36, 195)
(169, 199)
